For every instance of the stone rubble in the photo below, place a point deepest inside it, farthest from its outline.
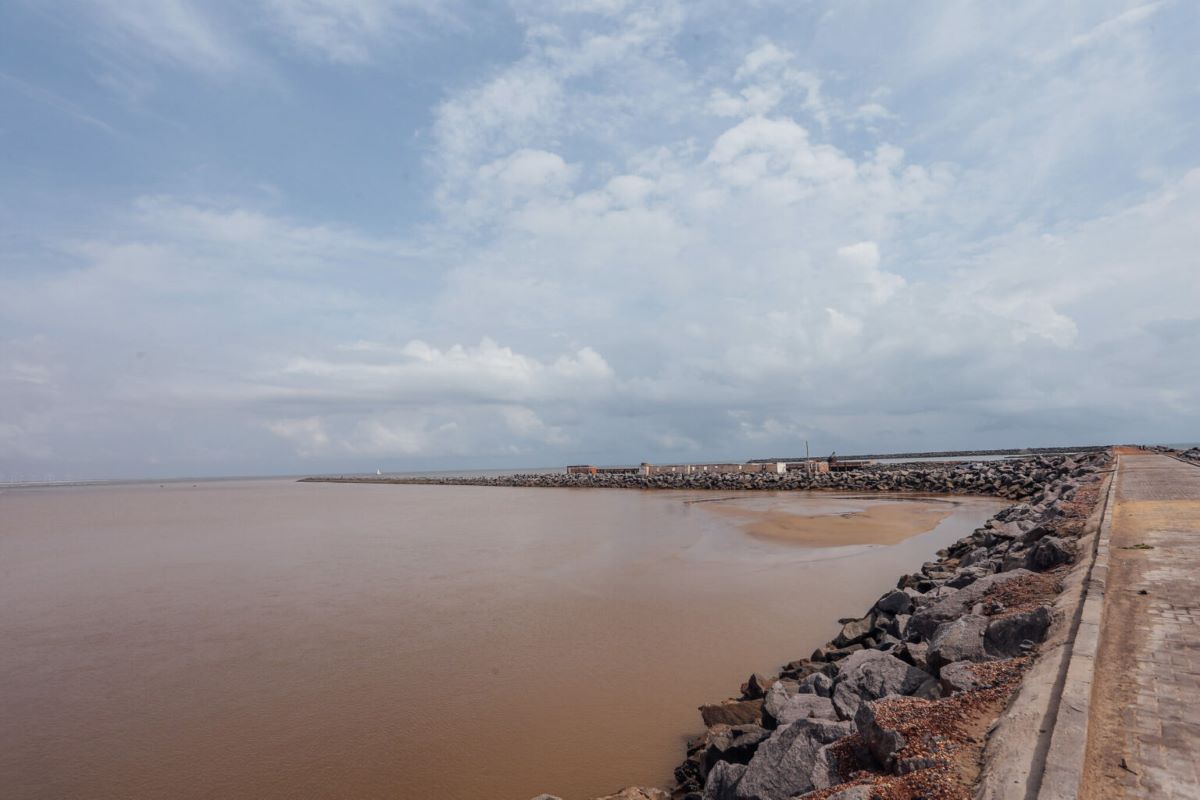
(1014, 479)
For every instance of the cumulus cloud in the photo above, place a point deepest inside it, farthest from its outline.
(417, 373)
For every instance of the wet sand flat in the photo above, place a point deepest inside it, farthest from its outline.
(874, 523)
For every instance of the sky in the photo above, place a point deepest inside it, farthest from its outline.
(286, 236)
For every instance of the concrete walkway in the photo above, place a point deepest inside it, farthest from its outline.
(1144, 735)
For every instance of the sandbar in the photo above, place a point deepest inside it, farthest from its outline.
(878, 523)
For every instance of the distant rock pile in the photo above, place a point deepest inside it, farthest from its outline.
(1014, 479)
(882, 709)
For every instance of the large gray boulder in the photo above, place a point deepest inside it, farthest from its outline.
(793, 761)
(869, 675)
(785, 709)
(1048, 553)
(959, 640)
(925, 620)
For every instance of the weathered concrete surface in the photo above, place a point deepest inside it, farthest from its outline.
(1061, 763)
(1016, 753)
(1144, 736)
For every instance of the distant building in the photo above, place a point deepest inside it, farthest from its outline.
(588, 469)
(811, 466)
(718, 469)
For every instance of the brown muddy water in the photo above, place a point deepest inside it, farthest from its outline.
(273, 639)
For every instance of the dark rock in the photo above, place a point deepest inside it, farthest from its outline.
(756, 687)
(1015, 559)
(1001, 532)
(895, 602)
(915, 653)
(887, 644)
(1005, 635)
(929, 690)
(1036, 533)
(967, 576)
(798, 669)
(723, 780)
(898, 625)
(854, 631)
(1049, 552)
(734, 744)
(841, 652)
(732, 712)
(974, 557)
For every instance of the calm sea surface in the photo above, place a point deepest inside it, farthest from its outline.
(273, 639)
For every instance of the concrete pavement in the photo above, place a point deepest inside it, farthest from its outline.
(1144, 734)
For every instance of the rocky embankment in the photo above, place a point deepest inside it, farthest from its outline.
(1192, 454)
(898, 703)
(1014, 479)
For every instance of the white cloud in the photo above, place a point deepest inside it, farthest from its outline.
(174, 32)
(417, 373)
(766, 55)
(862, 254)
(308, 435)
(1107, 30)
(349, 31)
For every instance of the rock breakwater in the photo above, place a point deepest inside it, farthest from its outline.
(1015, 479)
(897, 703)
